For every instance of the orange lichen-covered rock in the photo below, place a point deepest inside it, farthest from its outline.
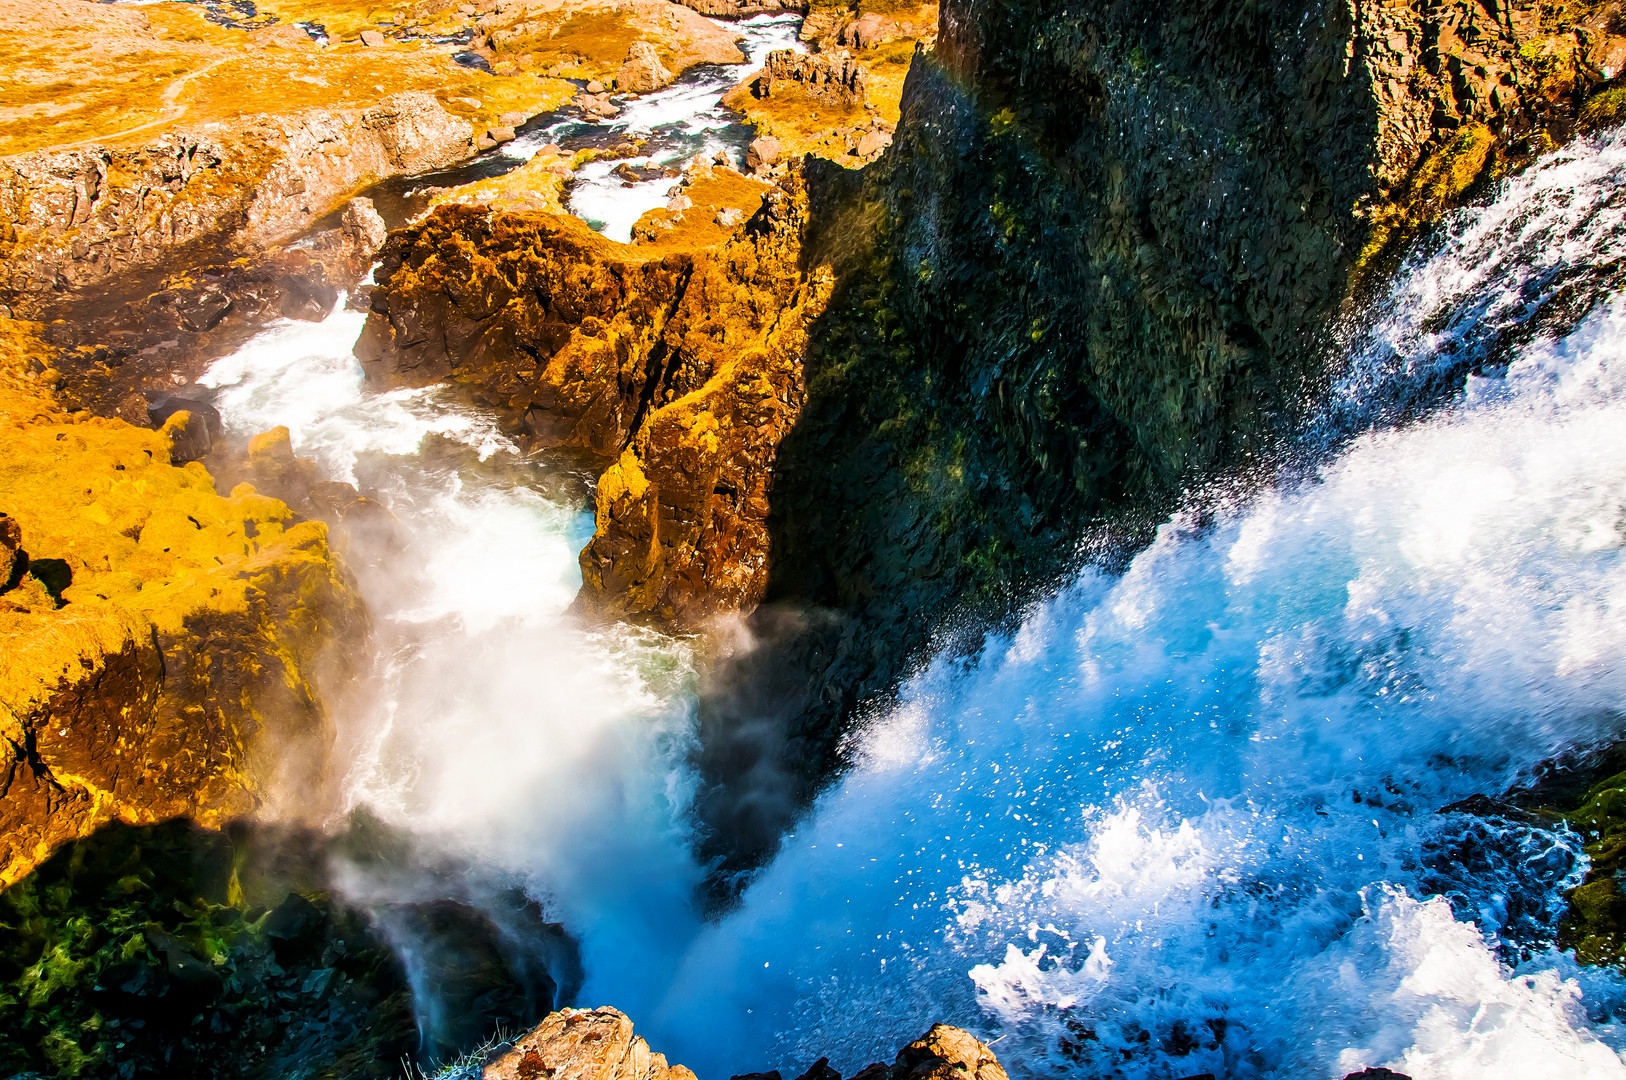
(162, 642)
(678, 367)
(583, 1044)
(599, 1044)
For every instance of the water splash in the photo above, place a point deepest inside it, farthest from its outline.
(495, 730)
(1185, 819)
(1189, 819)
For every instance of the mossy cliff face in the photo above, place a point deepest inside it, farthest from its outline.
(677, 370)
(162, 641)
(1101, 261)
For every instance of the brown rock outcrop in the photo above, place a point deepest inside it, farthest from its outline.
(71, 219)
(599, 1044)
(678, 370)
(583, 1044)
(162, 642)
(745, 9)
(833, 77)
(642, 71)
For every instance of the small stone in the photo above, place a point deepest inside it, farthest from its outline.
(729, 216)
(499, 135)
(595, 87)
(679, 202)
(764, 150)
(873, 142)
(372, 38)
(188, 435)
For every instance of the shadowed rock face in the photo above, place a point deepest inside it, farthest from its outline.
(1102, 260)
(176, 950)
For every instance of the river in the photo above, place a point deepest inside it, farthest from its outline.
(1185, 819)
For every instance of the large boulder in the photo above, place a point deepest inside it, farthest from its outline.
(642, 71)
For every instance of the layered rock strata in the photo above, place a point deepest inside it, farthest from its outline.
(73, 219)
(164, 643)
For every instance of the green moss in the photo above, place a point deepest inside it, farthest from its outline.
(1603, 109)
(1596, 925)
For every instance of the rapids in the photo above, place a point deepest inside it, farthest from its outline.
(1185, 819)
(673, 125)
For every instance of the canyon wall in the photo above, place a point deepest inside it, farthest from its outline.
(163, 642)
(1103, 260)
(74, 219)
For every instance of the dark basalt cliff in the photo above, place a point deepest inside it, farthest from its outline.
(1103, 260)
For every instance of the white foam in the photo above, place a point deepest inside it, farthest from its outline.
(1181, 821)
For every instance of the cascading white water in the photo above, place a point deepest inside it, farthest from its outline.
(675, 124)
(495, 729)
(1184, 820)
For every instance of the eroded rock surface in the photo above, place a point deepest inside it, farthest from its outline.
(678, 370)
(163, 643)
(77, 218)
(599, 1044)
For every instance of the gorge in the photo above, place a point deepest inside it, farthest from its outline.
(1113, 543)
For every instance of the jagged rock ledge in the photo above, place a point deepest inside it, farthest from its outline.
(599, 1044)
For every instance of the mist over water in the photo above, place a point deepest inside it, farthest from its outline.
(1186, 819)
(504, 736)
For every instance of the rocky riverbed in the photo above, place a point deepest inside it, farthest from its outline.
(829, 347)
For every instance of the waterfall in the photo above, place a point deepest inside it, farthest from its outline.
(1189, 818)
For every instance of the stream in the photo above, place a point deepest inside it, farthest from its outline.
(673, 124)
(1185, 819)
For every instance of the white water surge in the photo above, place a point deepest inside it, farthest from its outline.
(674, 123)
(495, 728)
(1184, 820)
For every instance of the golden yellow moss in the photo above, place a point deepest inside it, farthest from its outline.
(1437, 183)
(697, 227)
(1603, 109)
(134, 82)
(124, 705)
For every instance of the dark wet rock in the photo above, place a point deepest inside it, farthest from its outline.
(203, 309)
(820, 1070)
(161, 406)
(188, 434)
(1377, 1074)
(181, 951)
(309, 297)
